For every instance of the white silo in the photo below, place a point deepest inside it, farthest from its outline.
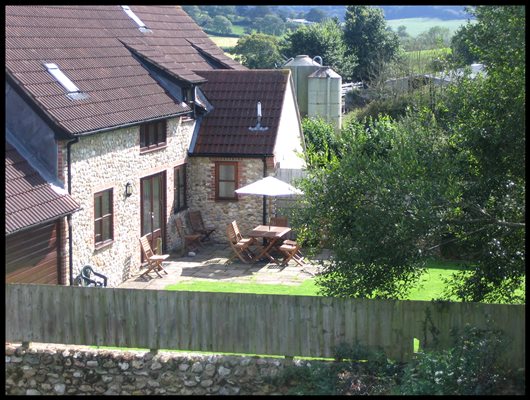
(324, 96)
(301, 67)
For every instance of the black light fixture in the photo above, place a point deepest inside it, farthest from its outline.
(128, 189)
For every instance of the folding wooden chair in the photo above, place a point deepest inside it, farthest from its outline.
(154, 261)
(239, 244)
(291, 251)
(279, 221)
(192, 242)
(197, 224)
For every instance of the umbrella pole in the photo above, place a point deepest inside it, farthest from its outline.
(270, 211)
(264, 210)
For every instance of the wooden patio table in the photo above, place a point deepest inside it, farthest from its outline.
(274, 236)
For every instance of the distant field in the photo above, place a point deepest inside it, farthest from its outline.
(238, 29)
(419, 60)
(415, 26)
(224, 41)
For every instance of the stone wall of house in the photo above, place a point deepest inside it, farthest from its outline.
(72, 370)
(247, 210)
(110, 160)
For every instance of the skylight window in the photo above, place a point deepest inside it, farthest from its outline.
(73, 91)
(134, 17)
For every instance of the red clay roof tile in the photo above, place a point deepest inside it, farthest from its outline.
(86, 42)
(234, 96)
(30, 200)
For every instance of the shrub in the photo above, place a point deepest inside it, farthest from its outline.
(471, 367)
(357, 371)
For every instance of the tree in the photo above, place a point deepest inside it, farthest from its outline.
(225, 11)
(316, 15)
(461, 54)
(321, 141)
(193, 11)
(259, 11)
(486, 118)
(325, 40)
(378, 202)
(435, 38)
(205, 20)
(220, 24)
(366, 35)
(395, 192)
(271, 24)
(258, 50)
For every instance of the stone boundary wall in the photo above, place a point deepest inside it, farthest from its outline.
(80, 370)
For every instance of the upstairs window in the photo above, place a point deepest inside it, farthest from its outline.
(225, 180)
(103, 226)
(153, 135)
(180, 202)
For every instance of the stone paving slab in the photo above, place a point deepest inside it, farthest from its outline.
(211, 263)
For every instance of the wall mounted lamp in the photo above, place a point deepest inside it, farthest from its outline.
(128, 189)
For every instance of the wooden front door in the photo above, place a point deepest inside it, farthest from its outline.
(153, 189)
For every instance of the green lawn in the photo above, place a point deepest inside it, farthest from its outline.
(415, 26)
(429, 287)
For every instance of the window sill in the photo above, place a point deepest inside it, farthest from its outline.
(145, 151)
(103, 245)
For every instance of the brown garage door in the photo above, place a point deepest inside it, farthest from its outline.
(31, 256)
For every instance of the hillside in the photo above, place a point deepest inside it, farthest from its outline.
(395, 12)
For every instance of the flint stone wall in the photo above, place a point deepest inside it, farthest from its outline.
(78, 370)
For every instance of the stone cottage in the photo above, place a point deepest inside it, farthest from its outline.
(118, 104)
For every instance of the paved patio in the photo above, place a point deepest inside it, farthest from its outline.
(211, 264)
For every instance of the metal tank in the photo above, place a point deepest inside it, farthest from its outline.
(324, 96)
(301, 67)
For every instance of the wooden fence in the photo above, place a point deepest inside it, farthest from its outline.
(246, 323)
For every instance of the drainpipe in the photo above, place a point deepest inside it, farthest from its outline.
(264, 197)
(69, 217)
(193, 102)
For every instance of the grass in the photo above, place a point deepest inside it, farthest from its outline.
(419, 61)
(306, 288)
(430, 285)
(224, 41)
(415, 26)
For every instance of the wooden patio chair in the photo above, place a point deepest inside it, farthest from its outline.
(239, 244)
(291, 251)
(192, 242)
(154, 261)
(283, 221)
(279, 221)
(197, 224)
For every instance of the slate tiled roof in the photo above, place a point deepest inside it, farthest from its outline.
(88, 43)
(234, 95)
(30, 200)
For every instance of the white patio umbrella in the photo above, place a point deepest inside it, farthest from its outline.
(270, 187)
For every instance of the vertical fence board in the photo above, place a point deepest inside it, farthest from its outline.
(14, 303)
(240, 323)
(385, 318)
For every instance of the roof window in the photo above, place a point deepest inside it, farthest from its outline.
(134, 17)
(73, 91)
